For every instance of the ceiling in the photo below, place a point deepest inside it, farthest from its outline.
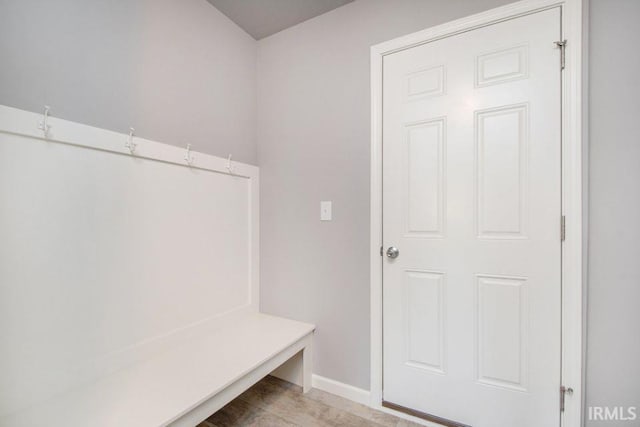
(261, 18)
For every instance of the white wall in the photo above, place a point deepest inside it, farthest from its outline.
(178, 71)
(613, 371)
(106, 258)
(313, 145)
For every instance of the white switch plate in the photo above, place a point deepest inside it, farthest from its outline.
(325, 211)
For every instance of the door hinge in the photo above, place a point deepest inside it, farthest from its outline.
(564, 391)
(562, 45)
(563, 228)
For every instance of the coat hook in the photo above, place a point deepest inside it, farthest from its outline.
(130, 144)
(229, 167)
(188, 157)
(44, 124)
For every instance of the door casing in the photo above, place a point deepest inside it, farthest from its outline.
(573, 169)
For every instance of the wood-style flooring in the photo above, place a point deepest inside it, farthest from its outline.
(276, 403)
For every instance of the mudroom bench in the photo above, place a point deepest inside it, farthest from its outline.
(183, 385)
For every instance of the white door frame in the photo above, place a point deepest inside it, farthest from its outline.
(572, 172)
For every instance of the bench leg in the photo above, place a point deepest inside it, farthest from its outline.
(307, 366)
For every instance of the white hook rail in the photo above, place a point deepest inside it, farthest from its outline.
(44, 124)
(32, 125)
(188, 156)
(130, 144)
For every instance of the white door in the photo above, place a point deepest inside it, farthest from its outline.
(471, 199)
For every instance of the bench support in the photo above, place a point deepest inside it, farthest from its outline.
(307, 366)
(214, 403)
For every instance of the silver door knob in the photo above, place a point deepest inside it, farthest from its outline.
(393, 252)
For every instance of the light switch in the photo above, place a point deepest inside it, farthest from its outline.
(325, 211)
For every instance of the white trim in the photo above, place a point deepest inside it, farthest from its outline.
(361, 396)
(343, 390)
(24, 123)
(572, 178)
(573, 167)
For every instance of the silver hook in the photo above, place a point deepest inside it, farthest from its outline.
(229, 167)
(130, 144)
(188, 157)
(44, 124)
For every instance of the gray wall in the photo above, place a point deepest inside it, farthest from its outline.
(178, 71)
(613, 352)
(313, 145)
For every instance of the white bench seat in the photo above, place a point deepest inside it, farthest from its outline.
(181, 386)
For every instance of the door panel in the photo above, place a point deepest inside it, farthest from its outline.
(471, 198)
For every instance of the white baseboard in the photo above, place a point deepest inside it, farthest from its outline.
(359, 395)
(341, 389)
